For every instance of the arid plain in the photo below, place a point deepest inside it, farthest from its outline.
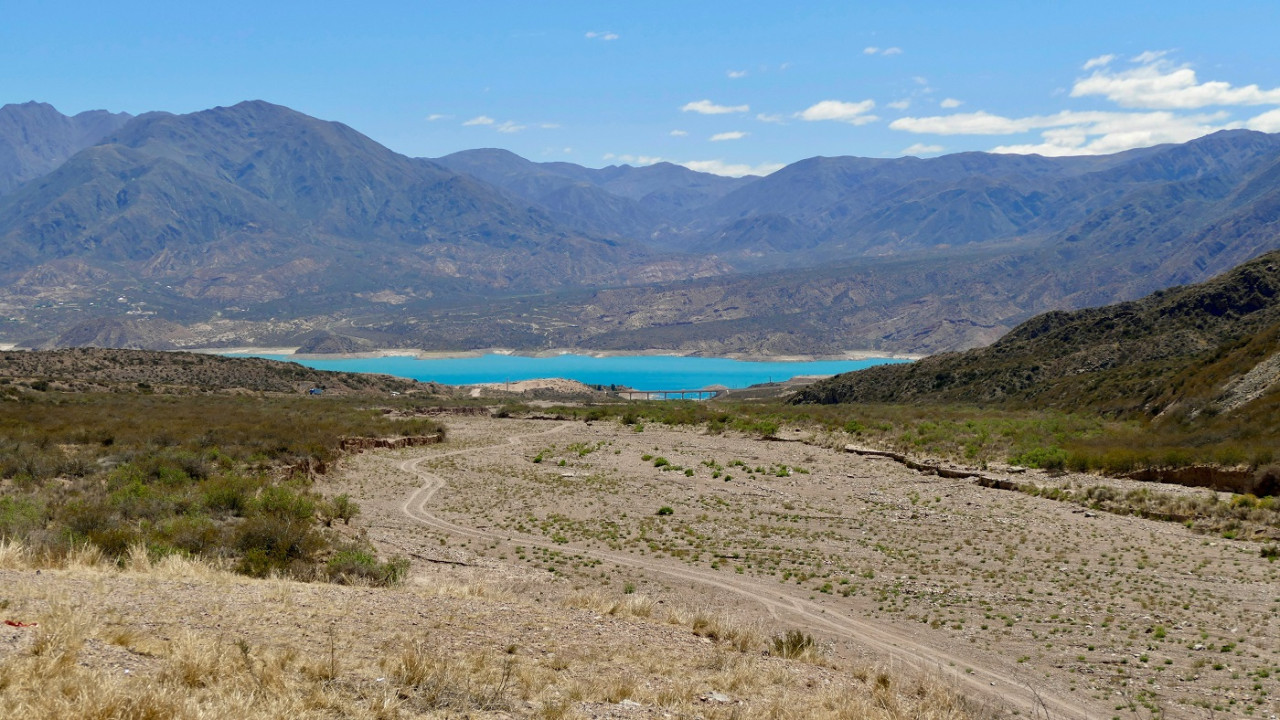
(1030, 604)
(564, 568)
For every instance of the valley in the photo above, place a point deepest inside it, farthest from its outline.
(621, 361)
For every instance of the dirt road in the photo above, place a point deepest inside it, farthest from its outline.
(782, 604)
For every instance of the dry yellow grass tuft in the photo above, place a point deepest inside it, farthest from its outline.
(180, 638)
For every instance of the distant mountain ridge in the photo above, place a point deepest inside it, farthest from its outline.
(257, 202)
(264, 222)
(35, 138)
(649, 203)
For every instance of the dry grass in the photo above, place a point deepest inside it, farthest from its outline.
(637, 606)
(102, 649)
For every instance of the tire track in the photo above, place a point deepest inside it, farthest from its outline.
(981, 681)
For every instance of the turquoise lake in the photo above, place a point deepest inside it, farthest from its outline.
(642, 372)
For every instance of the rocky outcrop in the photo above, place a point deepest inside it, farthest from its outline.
(1235, 480)
(360, 444)
(918, 466)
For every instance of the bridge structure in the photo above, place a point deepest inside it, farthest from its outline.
(702, 394)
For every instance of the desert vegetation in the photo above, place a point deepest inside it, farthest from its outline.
(975, 436)
(217, 476)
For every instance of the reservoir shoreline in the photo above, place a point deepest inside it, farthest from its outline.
(852, 355)
(650, 372)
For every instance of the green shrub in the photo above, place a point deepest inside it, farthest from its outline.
(229, 494)
(354, 564)
(20, 516)
(1046, 458)
(285, 503)
(340, 507)
(274, 543)
(193, 534)
(82, 517)
(115, 541)
(665, 510)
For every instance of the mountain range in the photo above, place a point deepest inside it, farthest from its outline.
(256, 224)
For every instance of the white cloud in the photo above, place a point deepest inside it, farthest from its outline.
(706, 107)
(480, 120)
(1157, 83)
(892, 51)
(1150, 56)
(510, 126)
(437, 116)
(775, 119)
(1100, 61)
(984, 123)
(1268, 122)
(1116, 132)
(1159, 92)
(720, 167)
(678, 133)
(549, 126)
(873, 50)
(629, 159)
(922, 149)
(854, 113)
(951, 103)
(900, 104)
(732, 135)
(600, 35)
(975, 123)
(735, 74)
(870, 50)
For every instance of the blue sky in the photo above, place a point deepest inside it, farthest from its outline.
(728, 87)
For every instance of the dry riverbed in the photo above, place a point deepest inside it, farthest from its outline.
(1033, 603)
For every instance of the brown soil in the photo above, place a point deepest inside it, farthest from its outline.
(1038, 605)
(564, 572)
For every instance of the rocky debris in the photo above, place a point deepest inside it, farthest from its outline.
(360, 444)
(1236, 480)
(444, 410)
(922, 467)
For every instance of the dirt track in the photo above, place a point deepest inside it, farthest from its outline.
(1056, 645)
(784, 606)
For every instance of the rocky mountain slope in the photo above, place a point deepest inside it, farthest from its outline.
(654, 204)
(1194, 350)
(255, 203)
(35, 138)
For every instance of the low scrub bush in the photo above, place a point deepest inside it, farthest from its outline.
(793, 645)
(354, 564)
(188, 475)
(1044, 458)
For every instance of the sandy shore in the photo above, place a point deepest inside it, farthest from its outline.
(449, 354)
